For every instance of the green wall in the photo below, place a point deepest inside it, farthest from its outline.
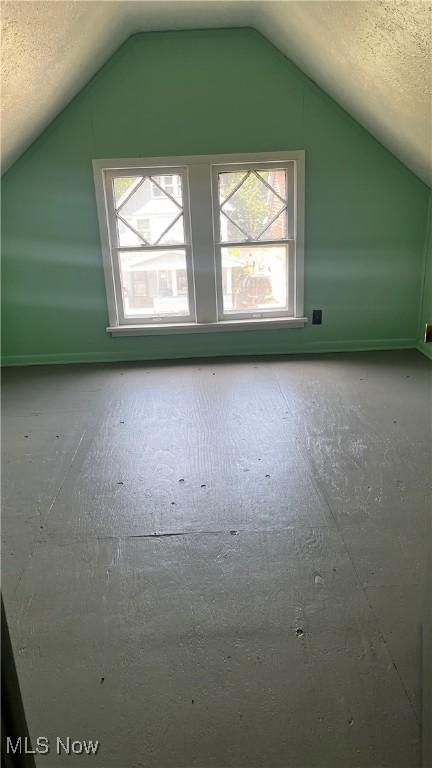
(426, 302)
(212, 91)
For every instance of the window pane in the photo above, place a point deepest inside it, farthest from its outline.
(253, 205)
(154, 283)
(149, 211)
(123, 186)
(170, 184)
(254, 278)
(126, 236)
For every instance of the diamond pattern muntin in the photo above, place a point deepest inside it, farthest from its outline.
(149, 215)
(254, 205)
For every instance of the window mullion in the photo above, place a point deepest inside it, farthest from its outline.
(202, 242)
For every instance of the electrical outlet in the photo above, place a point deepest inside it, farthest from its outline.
(316, 316)
(428, 333)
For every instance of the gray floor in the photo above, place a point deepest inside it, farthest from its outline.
(220, 564)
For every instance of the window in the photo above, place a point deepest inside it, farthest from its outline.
(202, 243)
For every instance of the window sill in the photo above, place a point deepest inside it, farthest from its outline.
(223, 325)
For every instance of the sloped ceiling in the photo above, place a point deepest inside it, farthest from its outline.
(374, 58)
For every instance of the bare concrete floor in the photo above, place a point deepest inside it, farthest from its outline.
(220, 564)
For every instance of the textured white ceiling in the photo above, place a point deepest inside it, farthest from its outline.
(373, 57)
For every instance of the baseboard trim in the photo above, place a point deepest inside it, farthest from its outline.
(278, 348)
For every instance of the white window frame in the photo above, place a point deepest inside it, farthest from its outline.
(201, 226)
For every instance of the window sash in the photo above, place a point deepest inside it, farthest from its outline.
(259, 312)
(202, 245)
(288, 166)
(288, 242)
(116, 248)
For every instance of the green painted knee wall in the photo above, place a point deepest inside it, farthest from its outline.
(211, 91)
(426, 300)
